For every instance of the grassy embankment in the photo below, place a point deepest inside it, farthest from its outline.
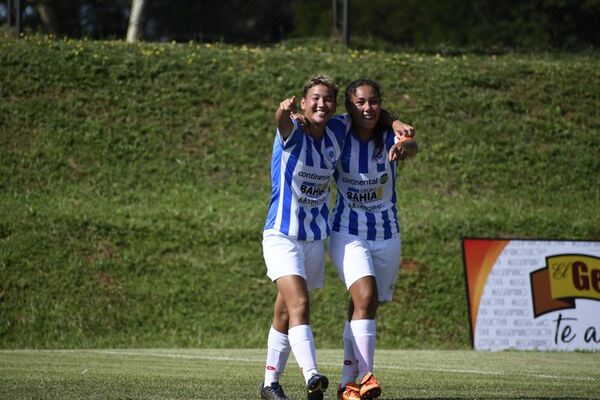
(134, 183)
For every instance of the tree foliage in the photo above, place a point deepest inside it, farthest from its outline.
(567, 24)
(473, 23)
(165, 20)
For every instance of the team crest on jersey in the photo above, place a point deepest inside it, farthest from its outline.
(330, 153)
(383, 179)
(380, 157)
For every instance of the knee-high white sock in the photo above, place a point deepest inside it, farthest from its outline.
(364, 331)
(278, 351)
(350, 367)
(303, 346)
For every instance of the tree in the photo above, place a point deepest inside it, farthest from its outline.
(135, 20)
(47, 13)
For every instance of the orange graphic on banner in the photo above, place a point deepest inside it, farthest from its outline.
(480, 257)
(565, 278)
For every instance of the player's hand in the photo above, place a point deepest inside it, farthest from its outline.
(302, 120)
(402, 130)
(289, 106)
(404, 148)
(396, 152)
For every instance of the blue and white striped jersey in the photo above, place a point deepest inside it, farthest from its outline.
(366, 198)
(301, 170)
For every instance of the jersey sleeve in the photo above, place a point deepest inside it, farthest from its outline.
(340, 125)
(342, 119)
(293, 138)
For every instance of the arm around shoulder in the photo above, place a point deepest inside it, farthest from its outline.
(401, 129)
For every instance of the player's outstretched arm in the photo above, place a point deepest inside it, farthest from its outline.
(283, 116)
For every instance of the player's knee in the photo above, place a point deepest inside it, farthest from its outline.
(281, 315)
(365, 309)
(365, 304)
(298, 308)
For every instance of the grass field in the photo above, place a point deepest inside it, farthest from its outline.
(236, 374)
(134, 184)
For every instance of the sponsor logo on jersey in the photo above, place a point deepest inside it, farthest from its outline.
(310, 175)
(359, 182)
(312, 189)
(362, 195)
(383, 179)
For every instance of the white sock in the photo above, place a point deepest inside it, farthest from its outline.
(364, 331)
(303, 346)
(278, 351)
(350, 367)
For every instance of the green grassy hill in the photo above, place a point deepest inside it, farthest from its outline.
(134, 184)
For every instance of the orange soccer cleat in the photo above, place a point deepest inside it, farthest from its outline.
(349, 392)
(369, 387)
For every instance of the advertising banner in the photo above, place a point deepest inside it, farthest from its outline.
(533, 294)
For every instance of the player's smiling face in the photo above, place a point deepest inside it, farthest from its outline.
(365, 107)
(319, 104)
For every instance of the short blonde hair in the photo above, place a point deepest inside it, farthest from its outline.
(321, 80)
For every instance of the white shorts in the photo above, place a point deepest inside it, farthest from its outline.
(287, 256)
(355, 258)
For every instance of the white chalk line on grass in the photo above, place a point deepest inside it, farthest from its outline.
(261, 361)
(382, 366)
